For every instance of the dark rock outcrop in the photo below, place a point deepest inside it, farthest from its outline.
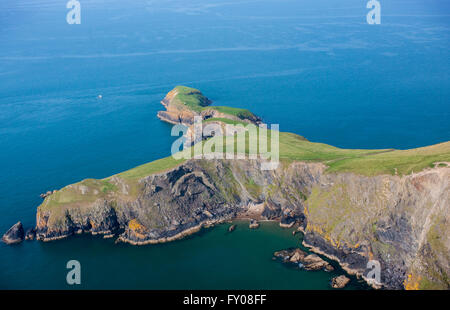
(349, 218)
(302, 259)
(339, 282)
(253, 224)
(30, 233)
(14, 235)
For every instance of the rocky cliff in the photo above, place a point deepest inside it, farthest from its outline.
(400, 221)
(352, 215)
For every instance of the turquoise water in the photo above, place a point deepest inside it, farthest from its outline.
(314, 67)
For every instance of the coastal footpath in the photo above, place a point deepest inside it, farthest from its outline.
(352, 206)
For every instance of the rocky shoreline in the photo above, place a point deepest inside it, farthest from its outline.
(399, 221)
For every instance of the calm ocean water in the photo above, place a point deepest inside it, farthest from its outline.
(314, 67)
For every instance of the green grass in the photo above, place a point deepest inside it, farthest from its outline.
(239, 113)
(191, 97)
(292, 148)
(196, 101)
(153, 167)
(402, 161)
(296, 148)
(226, 121)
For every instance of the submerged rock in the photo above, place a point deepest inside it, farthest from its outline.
(339, 282)
(14, 235)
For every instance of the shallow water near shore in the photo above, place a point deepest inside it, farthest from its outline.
(210, 259)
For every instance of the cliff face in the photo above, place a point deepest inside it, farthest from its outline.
(353, 206)
(175, 112)
(400, 221)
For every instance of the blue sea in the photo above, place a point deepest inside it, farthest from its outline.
(315, 67)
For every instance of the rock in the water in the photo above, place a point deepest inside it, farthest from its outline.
(48, 193)
(314, 262)
(339, 282)
(329, 268)
(30, 234)
(14, 235)
(253, 224)
(299, 257)
(231, 228)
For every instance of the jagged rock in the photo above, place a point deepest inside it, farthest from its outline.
(301, 258)
(329, 268)
(298, 256)
(14, 235)
(253, 224)
(314, 262)
(232, 228)
(285, 255)
(339, 282)
(44, 195)
(401, 221)
(30, 234)
(287, 221)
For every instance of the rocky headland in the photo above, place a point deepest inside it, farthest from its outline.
(353, 206)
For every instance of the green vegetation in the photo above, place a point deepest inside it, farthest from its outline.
(196, 101)
(296, 148)
(191, 97)
(292, 148)
(401, 161)
(79, 194)
(240, 113)
(153, 167)
(226, 121)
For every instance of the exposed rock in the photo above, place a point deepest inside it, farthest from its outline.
(14, 235)
(287, 221)
(231, 228)
(299, 257)
(314, 262)
(339, 282)
(48, 193)
(30, 234)
(299, 229)
(253, 224)
(400, 221)
(179, 113)
(329, 268)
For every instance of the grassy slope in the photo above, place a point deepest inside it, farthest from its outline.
(194, 100)
(366, 162)
(292, 148)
